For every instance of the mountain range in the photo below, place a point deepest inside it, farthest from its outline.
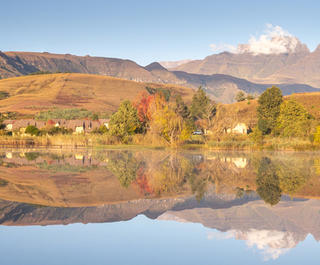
(222, 75)
(298, 66)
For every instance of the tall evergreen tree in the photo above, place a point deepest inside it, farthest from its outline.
(202, 107)
(269, 109)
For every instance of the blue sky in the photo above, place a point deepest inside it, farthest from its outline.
(147, 31)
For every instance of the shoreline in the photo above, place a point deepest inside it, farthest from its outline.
(102, 142)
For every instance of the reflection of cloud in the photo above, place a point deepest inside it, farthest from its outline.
(274, 40)
(272, 243)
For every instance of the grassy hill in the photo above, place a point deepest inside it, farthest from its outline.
(31, 94)
(228, 115)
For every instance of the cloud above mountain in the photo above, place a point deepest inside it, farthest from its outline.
(274, 40)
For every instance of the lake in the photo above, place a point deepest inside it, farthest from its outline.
(96, 206)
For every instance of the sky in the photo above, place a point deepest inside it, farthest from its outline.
(146, 31)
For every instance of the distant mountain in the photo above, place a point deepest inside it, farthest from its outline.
(222, 88)
(221, 75)
(298, 66)
(22, 63)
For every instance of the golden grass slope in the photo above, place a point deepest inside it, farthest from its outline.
(229, 115)
(31, 94)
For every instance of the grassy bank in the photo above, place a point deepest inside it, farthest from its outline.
(236, 142)
(268, 143)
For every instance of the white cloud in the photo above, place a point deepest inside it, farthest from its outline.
(223, 47)
(274, 40)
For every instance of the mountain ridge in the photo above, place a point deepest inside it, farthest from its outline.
(221, 86)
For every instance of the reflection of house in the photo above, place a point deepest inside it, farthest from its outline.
(240, 128)
(77, 126)
(239, 162)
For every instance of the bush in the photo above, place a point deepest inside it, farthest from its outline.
(68, 114)
(316, 138)
(240, 96)
(57, 130)
(256, 136)
(4, 95)
(32, 130)
(101, 130)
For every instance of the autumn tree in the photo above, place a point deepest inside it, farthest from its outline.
(143, 105)
(125, 121)
(293, 120)
(269, 109)
(167, 124)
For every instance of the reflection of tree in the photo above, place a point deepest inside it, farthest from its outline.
(293, 174)
(124, 166)
(317, 166)
(170, 175)
(268, 183)
(143, 182)
(198, 184)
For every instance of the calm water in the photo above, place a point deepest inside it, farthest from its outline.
(158, 207)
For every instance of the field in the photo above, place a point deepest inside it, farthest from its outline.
(31, 94)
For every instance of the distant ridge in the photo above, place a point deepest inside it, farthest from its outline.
(222, 75)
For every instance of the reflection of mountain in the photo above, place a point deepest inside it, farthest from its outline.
(14, 213)
(273, 230)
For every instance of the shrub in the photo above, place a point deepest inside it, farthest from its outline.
(68, 114)
(256, 136)
(240, 96)
(32, 130)
(316, 138)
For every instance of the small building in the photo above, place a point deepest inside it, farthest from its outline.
(240, 128)
(77, 126)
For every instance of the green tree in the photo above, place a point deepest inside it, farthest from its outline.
(199, 103)
(202, 107)
(293, 120)
(32, 130)
(269, 109)
(125, 121)
(256, 136)
(268, 183)
(181, 108)
(240, 96)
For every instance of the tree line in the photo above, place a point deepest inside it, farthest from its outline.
(155, 115)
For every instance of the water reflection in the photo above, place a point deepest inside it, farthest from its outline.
(220, 190)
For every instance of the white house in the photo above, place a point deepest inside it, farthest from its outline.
(240, 128)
